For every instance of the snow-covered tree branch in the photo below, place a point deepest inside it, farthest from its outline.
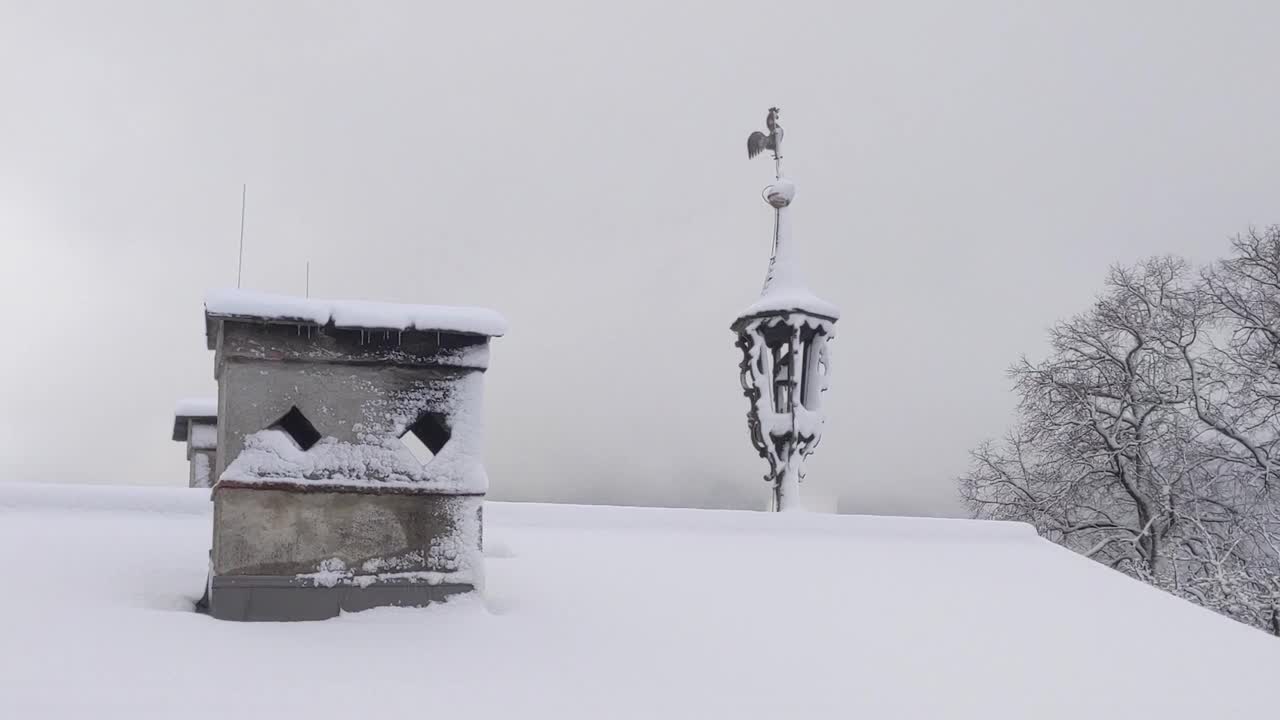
(1145, 439)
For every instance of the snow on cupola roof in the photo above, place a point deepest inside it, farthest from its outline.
(354, 314)
(791, 299)
(784, 289)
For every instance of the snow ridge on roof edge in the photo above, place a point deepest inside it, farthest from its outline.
(196, 407)
(359, 314)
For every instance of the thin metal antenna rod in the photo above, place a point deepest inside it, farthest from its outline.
(244, 194)
(308, 279)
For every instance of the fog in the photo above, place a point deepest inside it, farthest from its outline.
(966, 174)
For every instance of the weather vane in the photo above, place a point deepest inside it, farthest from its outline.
(783, 336)
(758, 142)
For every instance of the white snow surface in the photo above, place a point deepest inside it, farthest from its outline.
(601, 612)
(196, 407)
(354, 313)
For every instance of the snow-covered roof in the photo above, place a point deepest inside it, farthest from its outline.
(594, 612)
(360, 314)
(203, 408)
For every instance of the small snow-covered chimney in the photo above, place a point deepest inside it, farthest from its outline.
(349, 472)
(195, 422)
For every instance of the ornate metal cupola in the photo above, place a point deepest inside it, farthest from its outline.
(784, 338)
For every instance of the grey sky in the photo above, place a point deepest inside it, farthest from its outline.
(966, 173)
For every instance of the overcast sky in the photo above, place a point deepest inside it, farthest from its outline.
(966, 173)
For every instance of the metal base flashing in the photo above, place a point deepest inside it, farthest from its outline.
(282, 598)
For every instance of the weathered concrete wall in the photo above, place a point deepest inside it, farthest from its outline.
(263, 373)
(346, 402)
(275, 599)
(287, 533)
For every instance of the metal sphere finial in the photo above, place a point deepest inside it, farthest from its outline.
(780, 194)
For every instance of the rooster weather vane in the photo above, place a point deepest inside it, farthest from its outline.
(783, 336)
(758, 142)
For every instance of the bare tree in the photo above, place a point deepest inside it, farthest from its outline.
(1241, 403)
(1139, 441)
(1236, 394)
(1090, 462)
